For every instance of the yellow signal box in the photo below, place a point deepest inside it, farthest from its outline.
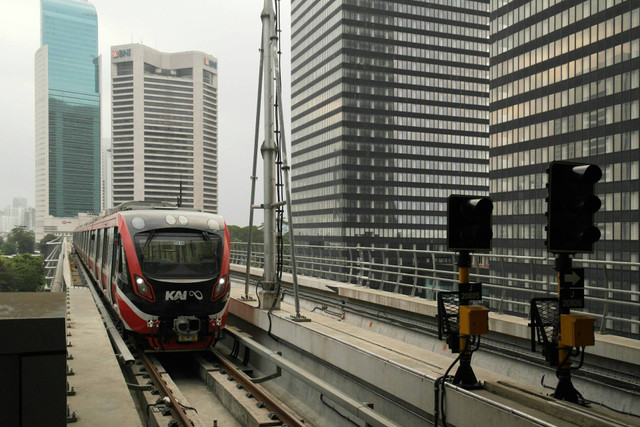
(474, 320)
(576, 330)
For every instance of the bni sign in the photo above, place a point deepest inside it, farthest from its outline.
(210, 63)
(121, 53)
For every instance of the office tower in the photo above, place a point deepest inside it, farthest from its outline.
(389, 117)
(107, 174)
(19, 202)
(565, 86)
(165, 126)
(67, 71)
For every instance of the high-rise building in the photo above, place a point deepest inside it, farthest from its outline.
(67, 70)
(165, 126)
(107, 174)
(390, 115)
(565, 86)
(19, 202)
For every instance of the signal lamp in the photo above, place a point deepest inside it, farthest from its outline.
(571, 205)
(469, 223)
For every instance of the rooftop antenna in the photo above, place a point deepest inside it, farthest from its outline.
(180, 194)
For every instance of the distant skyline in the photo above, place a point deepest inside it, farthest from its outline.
(229, 31)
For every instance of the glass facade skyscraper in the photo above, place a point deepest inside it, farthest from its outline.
(389, 117)
(67, 110)
(565, 86)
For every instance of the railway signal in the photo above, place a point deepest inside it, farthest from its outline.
(468, 230)
(469, 223)
(572, 204)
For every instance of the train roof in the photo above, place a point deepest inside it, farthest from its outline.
(160, 215)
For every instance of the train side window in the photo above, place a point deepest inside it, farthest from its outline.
(115, 261)
(99, 247)
(92, 241)
(105, 246)
(122, 265)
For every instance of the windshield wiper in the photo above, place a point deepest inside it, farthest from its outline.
(151, 234)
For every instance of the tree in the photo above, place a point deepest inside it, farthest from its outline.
(241, 234)
(24, 241)
(8, 278)
(9, 247)
(29, 271)
(46, 239)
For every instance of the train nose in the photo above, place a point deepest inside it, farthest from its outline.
(187, 325)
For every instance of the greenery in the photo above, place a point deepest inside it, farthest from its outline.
(19, 241)
(241, 234)
(21, 273)
(43, 242)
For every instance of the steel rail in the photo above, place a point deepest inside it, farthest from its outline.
(156, 377)
(356, 408)
(258, 392)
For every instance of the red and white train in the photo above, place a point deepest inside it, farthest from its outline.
(165, 270)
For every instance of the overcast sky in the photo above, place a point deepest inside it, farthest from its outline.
(227, 29)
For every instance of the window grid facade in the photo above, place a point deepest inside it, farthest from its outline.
(164, 127)
(390, 115)
(565, 85)
(68, 166)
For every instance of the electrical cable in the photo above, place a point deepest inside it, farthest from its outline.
(438, 401)
(336, 411)
(187, 407)
(161, 401)
(581, 358)
(256, 289)
(279, 180)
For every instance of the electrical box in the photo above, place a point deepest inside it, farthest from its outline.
(576, 330)
(474, 320)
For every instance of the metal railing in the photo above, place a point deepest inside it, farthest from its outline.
(509, 282)
(53, 265)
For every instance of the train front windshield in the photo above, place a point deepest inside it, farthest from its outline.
(179, 254)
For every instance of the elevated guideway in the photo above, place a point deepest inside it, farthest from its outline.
(380, 348)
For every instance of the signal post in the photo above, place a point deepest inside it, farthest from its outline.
(570, 230)
(469, 229)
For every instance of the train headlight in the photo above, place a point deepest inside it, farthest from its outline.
(220, 288)
(143, 289)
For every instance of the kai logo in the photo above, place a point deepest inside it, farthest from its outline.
(182, 295)
(121, 53)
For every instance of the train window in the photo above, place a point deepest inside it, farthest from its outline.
(116, 255)
(179, 254)
(122, 266)
(105, 246)
(98, 246)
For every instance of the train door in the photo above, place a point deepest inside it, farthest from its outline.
(106, 259)
(99, 236)
(104, 270)
(92, 244)
(119, 273)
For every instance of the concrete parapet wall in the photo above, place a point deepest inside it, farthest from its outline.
(607, 346)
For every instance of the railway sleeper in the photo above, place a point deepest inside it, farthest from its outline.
(240, 403)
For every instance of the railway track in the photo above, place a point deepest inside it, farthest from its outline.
(496, 393)
(161, 382)
(227, 393)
